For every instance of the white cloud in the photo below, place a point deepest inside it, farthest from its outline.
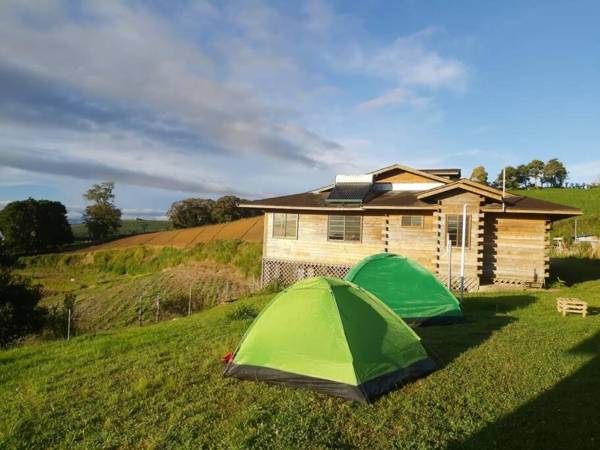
(212, 97)
(137, 72)
(396, 97)
(408, 61)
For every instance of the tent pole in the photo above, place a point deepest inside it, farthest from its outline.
(462, 253)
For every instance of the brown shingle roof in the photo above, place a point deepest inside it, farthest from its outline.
(520, 202)
(403, 200)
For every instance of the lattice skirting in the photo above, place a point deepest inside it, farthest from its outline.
(471, 283)
(288, 272)
(518, 283)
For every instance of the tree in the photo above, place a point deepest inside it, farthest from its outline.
(31, 226)
(191, 212)
(19, 311)
(512, 178)
(226, 209)
(522, 176)
(479, 174)
(555, 173)
(102, 218)
(536, 170)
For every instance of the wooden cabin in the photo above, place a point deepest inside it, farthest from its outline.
(414, 213)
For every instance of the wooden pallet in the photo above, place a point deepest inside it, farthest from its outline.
(566, 305)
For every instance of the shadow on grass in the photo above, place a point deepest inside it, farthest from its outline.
(483, 316)
(564, 417)
(574, 270)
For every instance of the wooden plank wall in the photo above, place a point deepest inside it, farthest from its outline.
(416, 243)
(474, 253)
(312, 244)
(399, 176)
(518, 250)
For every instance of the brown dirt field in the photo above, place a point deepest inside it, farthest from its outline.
(250, 229)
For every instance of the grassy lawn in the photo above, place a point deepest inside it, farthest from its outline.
(515, 375)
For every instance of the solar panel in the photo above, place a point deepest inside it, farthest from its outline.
(349, 193)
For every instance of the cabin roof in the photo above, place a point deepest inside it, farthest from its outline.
(415, 200)
(403, 200)
(438, 175)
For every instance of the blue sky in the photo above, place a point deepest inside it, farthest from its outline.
(255, 98)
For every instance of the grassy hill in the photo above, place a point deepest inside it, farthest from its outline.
(515, 375)
(249, 229)
(586, 199)
(128, 228)
(108, 284)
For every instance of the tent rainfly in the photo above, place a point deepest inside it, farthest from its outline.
(329, 335)
(410, 290)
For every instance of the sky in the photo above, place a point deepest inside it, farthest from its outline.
(254, 98)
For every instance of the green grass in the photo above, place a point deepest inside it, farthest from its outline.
(108, 284)
(515, 375)
(128, 228)
(246, 256)
(588, 200)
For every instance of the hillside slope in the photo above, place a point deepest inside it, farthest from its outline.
(588, 200)
(108, 284)
(250, 229)
(514, 375)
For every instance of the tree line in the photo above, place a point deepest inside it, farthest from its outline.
(35, 226)
(194, 212)
(536, 173)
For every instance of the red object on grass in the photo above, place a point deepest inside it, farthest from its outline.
(228, 357)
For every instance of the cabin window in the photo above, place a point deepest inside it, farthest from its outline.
(344, 228)
(412, 221)
(285, 226)
(454, 225)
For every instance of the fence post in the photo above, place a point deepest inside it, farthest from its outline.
(157, 307)
(190, 301)
(140, 312)
(69, 325)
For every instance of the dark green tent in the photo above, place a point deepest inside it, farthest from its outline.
(331, 336)
(410, 290)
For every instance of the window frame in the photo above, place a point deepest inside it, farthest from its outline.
(344, 239)
(459, 218)
(421, 225)
(285, 226)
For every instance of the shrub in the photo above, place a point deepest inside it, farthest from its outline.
(19, 311)
(58, 316)
(243, 312)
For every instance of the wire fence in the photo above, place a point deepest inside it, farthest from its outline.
(152, 305)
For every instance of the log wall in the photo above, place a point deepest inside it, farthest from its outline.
(503, 249)
(516, 249)
(312, 244)
(453, 205)
(418, 243)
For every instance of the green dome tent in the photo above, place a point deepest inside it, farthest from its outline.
(409, 289)
(331, 336)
